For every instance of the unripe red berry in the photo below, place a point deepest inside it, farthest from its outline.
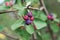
(32, 18)
(7, 4)
(25, 17)
(30, 14)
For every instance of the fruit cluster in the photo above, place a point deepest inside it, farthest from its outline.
(28, 18)
(50, 17)
(9, 3)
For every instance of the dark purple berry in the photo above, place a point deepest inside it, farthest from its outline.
(29, 14)
(28, 22)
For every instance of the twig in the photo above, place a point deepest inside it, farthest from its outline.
(7, 11)
(41, 8)
(48, 23)
(45, 9)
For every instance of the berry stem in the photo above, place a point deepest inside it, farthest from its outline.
(48, 23)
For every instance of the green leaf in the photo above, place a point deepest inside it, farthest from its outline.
(58, 0)
(23, 33)
(1, 28)
(56, 20)
(7, 0)
(32, 1)
(40, 15)
(18, 7)
(3, 7)
(59, 38)
(55, 27)
(18, 1)
(17, 24)
(36, 13)
(43, 16)
(39, 33)
(30, 29)
(54, 15)
(40, 24)
(46, 36)
(29, 1)
(39, 36)
(22, 12)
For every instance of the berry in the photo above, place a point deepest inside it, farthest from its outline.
(11, 3)
(29, 14)
(32, 18)
(58, 24)
(7, 4)
(50, 17)
(28, 22)
(26, 17)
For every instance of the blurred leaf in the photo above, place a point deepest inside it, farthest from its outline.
(55, 27)
(39, 36)
(32, 1)
(40, 24)
(29, 1)
(23, 33)
(40, 15)
(1, 28)
(36, 13)
(7, 0)
(18, 1)
(59, 38)
(30, 29)
(46, 36)
(58, 0)
(18, 7)
(17, 24)
(43, 16)
(54, 15)
(3, 7)
(56, 20)
(39, 33)
(22, 12)
(35, 4)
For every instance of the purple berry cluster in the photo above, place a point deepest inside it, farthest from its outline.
(28, 18)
